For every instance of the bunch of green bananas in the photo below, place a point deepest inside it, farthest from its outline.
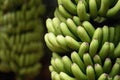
(21, 32)
(82, 49)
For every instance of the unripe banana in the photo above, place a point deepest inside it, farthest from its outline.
(103, 7)
(111, 34)
(115, 70)
(117, 51)
(85, 37)
(72, 43)
(76, 20)
(111, 51)
(67, 64)
(94, 45)
(89, 28)
(64, 76)
(77, 72)
(93, 8)
(81, 11)
(65, 30)
(98, 69)
(98, 34)
(105, 31)
(90, 72)
(107, 65)
(87, 60)
(117, 77)
(103, 53)
(97, 60)
(114, 10)
(76, 59)
(83, 49)
(64, 12)
(72, 26)
(103, 76)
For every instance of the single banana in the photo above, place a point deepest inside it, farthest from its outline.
(117, 51)
(98, 69)
(77, 20)
(115, 70)
(105, 31)
(65, 30)
(72, 26)
(103, 53)
(82, 12)
(60, 17)
(103, 7)
(61, 41)
(64, 76)
(64, 12)
(67, 64)
(21, 60)
(83, 49)
(69, 5)
(111, 34)
(97, 59)
(94, 45)
(98, 34)
(53, 65)
(114, 10)
(76, 59)
(49, 25)
(51, 69)
(89, 28)
(116, 77)
(103, 76)
(85, 37)
(87, 60)
(117, 60)
(90, 72)
(93, 8)
(107, 65)
(117, 34)
(111, 51)
(56, 24)
(79, 75)
(72, 43)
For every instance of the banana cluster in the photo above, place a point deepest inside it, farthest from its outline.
(96, 10)
(21, 32)
(84, 40)
(85, 68)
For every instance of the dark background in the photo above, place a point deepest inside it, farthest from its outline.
(44, 72)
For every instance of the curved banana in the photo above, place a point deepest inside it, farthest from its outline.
(64, 12)
(72, 43)
(98, 69)
(77, 20)
(114, 10)
(115, 70)
(103, 7)
(85, 37)
(65, 30)
(94, 45)
(103, 76)
(117, 77)
(107, 65)
(90, 72)
(117, 51)
(76, 59)
(87, 60)
(103, 53)
(81, 11)
(111, 34)
(83, 49)
(77, 72)
(93, 8)
(97, 60)
(89, 28)
(72, 26)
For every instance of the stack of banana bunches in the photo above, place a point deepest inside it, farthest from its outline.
(84, 37)
(21, 30)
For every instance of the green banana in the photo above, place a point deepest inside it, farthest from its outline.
(97, 59)
(85, 37)
(117, 51)
(90, 72)
(77, 72)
